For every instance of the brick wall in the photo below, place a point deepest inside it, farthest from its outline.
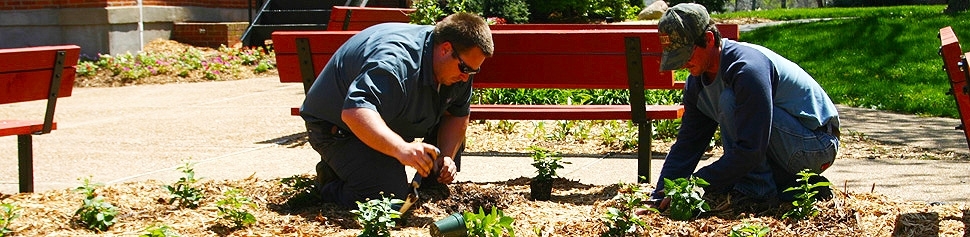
(40, 4)
(206, 34)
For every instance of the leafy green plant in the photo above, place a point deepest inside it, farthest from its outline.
(297, 184)
(426, 12)
(232, 208)
(749, 230)
(95, 213)
(506, 127)
(159, 231)
(622, 219)
(184, 193)
(685, 197)
(804, 203)
(376, 216)
(546, 163)
(493, 224)
(8, 212)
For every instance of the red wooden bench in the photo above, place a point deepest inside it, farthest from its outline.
(29, 74)
(595, 59)
(563, 56)
(955, 65)
(357, 18)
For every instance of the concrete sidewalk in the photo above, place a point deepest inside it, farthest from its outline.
(237, 129)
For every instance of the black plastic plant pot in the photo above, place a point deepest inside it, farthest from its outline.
(451, 226)
(541, 189)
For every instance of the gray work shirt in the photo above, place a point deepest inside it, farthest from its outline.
(386, 68)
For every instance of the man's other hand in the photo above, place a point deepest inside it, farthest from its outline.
(448, 170)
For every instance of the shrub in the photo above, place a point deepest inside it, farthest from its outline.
(376, 216)
(685, 197)
(513, 11)
(95, 213)
(426, 12)
(622, 218)
(546, 163)
(232, 208)
(184, 193)
(804, 203)
(493, 224)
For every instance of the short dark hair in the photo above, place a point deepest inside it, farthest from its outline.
(464, 31)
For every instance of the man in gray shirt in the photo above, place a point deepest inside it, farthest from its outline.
(385, 87)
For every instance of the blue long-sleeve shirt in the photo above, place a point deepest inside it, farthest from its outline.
(761, 81)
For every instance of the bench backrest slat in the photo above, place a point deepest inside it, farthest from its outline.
(25, 73)
(363, 17)
(577, 58)
(589, 59)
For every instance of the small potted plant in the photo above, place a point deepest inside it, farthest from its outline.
(546, 164)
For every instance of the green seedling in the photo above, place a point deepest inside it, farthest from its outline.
(622, 219)
(95, 213)
(804, 203)
(184, 192)
(232, 208)
(546, 163)
(749, 230)
(377, 216)
(8, 212)
(494, 224)
(298, 185)
(685, 197)
(159, 231)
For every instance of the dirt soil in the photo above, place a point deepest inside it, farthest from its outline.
(575, 209)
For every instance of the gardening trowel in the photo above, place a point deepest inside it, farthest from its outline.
(416, 183)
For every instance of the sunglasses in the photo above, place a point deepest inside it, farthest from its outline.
(463, 67)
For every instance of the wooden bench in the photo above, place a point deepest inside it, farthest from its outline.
(589, 58)
(344, 18)
(956, 67)
(29, 74)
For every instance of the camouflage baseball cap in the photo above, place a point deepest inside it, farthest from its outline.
(681, 26)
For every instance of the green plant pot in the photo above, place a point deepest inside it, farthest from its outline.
(451, 226)
(541, 190)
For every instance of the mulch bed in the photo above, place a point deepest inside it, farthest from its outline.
(575, 209)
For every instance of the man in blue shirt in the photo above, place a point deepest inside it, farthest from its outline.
(382, 89)
(775, 119)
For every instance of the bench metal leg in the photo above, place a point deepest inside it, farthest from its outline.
(26, 163)
(644, 151)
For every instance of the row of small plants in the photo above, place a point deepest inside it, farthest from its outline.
(622, 219)
(225, 63)
(98, 214)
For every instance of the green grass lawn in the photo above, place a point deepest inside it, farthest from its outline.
(882, 57)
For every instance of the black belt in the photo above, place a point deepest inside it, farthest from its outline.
(325, 127)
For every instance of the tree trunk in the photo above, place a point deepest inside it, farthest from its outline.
(957, 6)
(784, 4)
(821, 3)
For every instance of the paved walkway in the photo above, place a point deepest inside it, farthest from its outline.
(237, 129)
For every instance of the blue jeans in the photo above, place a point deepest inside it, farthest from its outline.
(791, 148)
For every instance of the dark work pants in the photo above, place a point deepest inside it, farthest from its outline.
(361, 172)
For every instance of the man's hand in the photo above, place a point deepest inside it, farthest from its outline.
(420, 156)
(446, 174)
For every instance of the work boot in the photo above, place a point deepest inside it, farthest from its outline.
(325, 175)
